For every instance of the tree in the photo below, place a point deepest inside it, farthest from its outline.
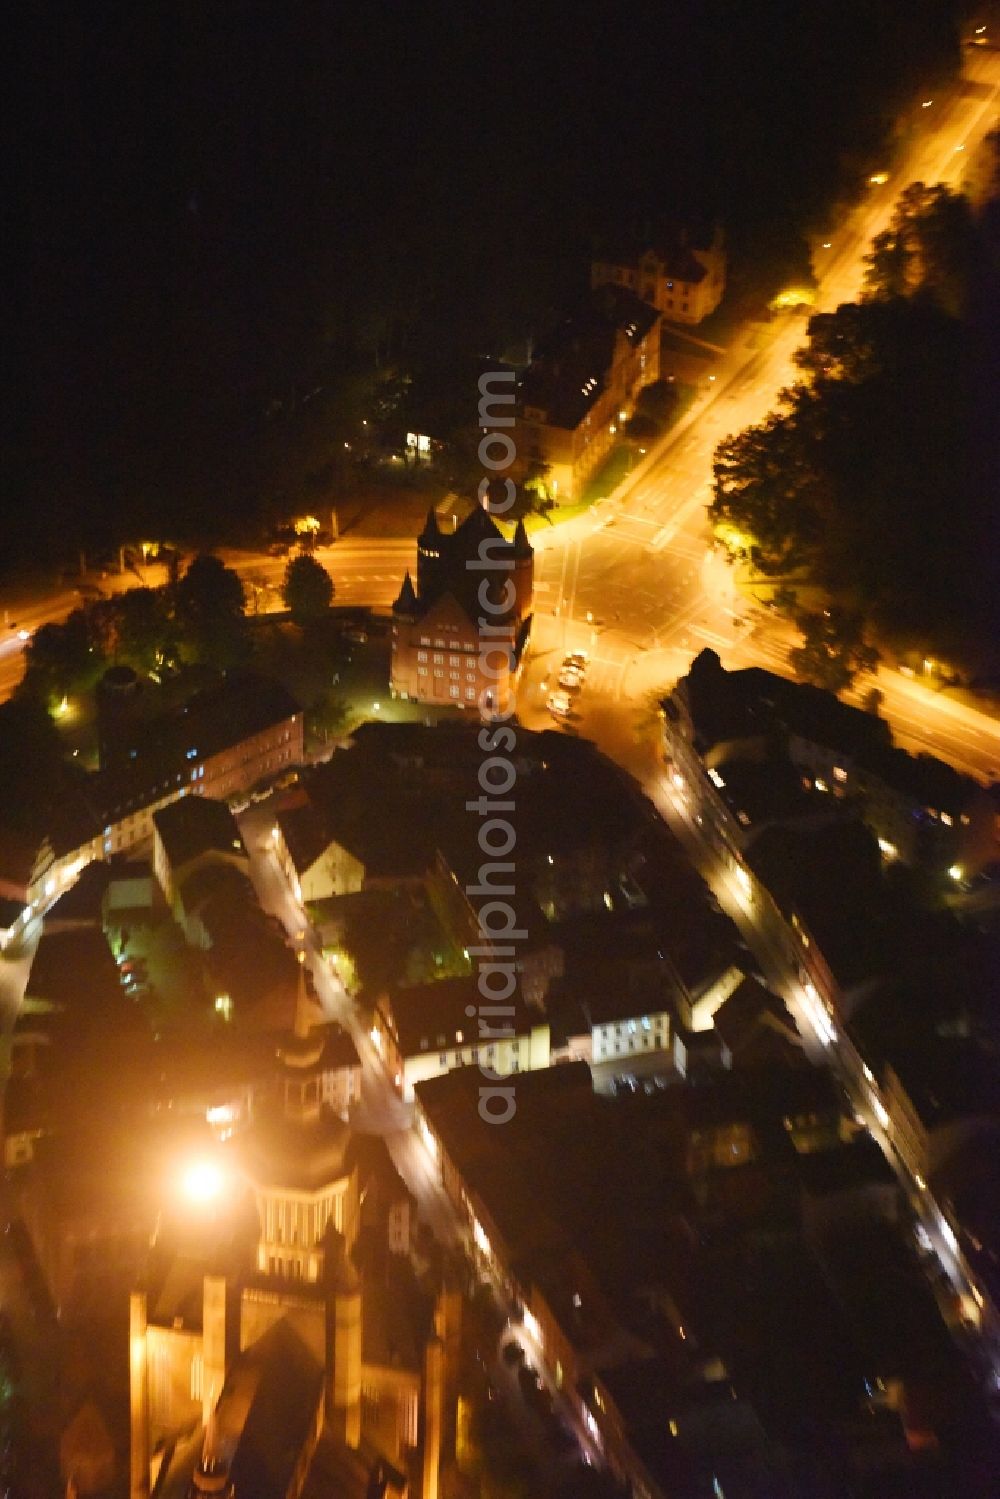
(307, 589)
(328, 715)
(928, 249)
(833, 649)
(144, 632)
(770, 489)
(31, 766)
(208, 610)
(60, 659)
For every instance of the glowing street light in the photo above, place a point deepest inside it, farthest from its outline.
(202, 1182)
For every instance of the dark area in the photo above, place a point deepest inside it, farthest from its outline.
(234, 221)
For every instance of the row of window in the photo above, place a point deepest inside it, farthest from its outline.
(439, 658)
(632, 1026)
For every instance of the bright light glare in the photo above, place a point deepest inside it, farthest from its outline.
(202, 1181)
(955, 872)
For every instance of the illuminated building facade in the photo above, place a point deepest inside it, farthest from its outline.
(684, 279)
(458, 636)
(581, 388)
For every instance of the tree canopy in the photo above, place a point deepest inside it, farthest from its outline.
(208, 610)
(307, 589)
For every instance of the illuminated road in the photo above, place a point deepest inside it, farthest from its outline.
(365, 571)
(634, 577)
(639, 564)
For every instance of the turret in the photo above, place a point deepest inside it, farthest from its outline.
(430, 556)
(524, 570)
(406, 599)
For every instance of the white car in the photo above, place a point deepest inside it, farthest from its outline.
(558, 704)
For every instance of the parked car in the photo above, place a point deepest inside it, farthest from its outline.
(559, 704)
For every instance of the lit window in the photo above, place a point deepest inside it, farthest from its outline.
(839, 773)
(438, 658)
(454, 691)
(421, 655)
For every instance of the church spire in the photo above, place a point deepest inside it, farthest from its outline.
(406, 600)
(430, 536)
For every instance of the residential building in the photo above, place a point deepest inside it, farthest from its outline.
(458, 636)
(719, 723)
(941, 1100)
(581, 387)
(191, 834)
(424, 1030)
(222, 742)
(683, 276)
(755, 1028)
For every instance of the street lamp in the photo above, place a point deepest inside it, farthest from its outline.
(202, 1182)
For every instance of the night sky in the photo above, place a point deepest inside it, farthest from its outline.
(220, 204)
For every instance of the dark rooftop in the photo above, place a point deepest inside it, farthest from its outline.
(750, 1009)
(243, 704)
(197, 825)
(832, 878)
(432, 1017)
(955, 1078)
(569, 370)
(728, 705)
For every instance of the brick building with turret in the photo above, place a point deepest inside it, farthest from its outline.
(459, 634)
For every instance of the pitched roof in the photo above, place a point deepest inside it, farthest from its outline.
(432, 1017)
(197, 825)
(406, 599)
(752, 702)
(242, 705)
(305, 833)
(569, 371)
(750, 1009)
(283, 1381)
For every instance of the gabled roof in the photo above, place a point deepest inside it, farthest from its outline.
(748, 1011)
(196, 825)
(569, 371)
(432, 1017)
(283, 1382)
(305, 833)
